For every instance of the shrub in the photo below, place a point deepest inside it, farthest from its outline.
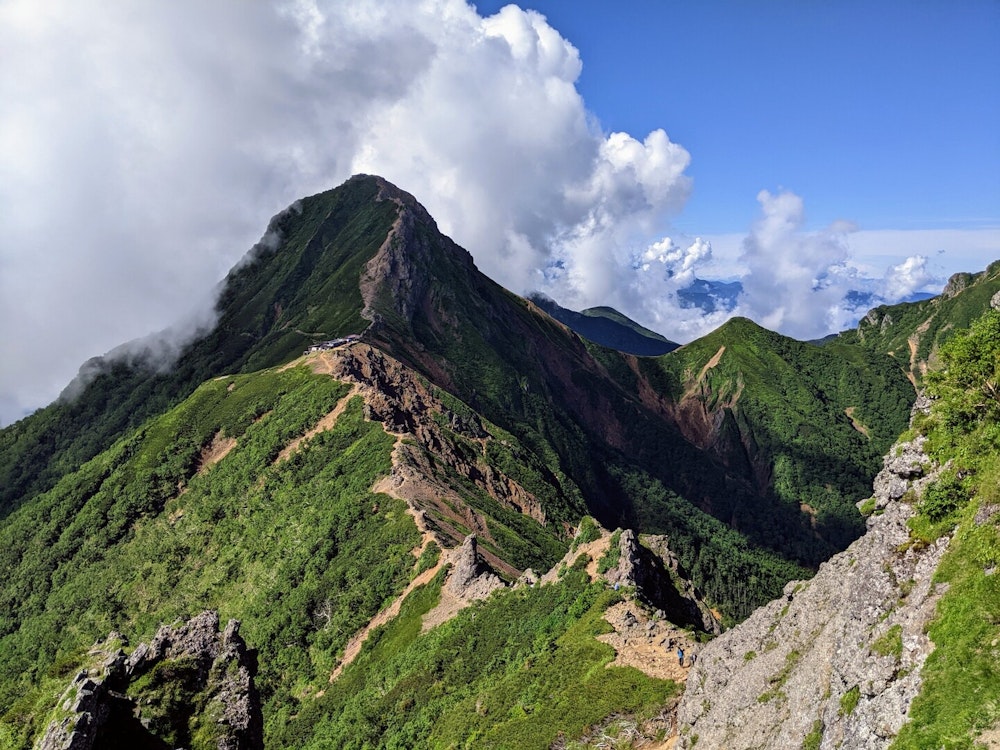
(849, 701)
(890, 644)
(589, 531)
(944, 497)
(613, 555)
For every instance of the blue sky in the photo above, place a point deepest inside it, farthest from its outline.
(883, 113)
(602, 153)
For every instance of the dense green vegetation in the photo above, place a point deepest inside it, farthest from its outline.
(113, 517)
(730, 572)
(912, 331)
(150, 531)
(809, 424)
(562, 402)
(559, 398)
(138, 537)
(960, 695)
(519, 670)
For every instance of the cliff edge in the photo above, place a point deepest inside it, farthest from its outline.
(836, 661)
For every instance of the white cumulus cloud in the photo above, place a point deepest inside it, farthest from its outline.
(792, 274)
(904, 279)
(143, 147)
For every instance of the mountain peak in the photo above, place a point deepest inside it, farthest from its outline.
(386, 190)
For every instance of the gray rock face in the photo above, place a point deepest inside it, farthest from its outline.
(628, 568)
(906, 463)
(225, 668)
(682, 603)
(528, 578)
(471, 577)
(957, 283)
(86, 709)
(838, 655)
(648, 568)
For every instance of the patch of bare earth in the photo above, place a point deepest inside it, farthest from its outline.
(385, 486)
(989, 739)
(594, 550)
(447, 607)
(714, 361)
(326, 422)
(849, 411)
(647, 643)
(214, 452)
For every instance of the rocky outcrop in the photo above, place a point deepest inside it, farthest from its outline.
(109, 705)
(679, 600)
(654, 571)
(838, 658)
(958, 283)
(85, 706)
(407, 406)
(471, 577)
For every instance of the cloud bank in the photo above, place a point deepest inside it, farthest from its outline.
(143, 146)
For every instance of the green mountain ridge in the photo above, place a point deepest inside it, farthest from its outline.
(608, 327)
(303, 496)
(913, 332)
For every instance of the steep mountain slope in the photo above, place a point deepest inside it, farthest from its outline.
(320, 498)
(853, 634)
(263, 497)
(298, 285)
(433, 311)
(605, 425)
(913, 332)
(894, 642)
(807, 424)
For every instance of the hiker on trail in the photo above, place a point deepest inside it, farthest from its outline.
(680, 656)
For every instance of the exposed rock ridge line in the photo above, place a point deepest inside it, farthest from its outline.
(857, 629)
(406, 406)
(396, 278)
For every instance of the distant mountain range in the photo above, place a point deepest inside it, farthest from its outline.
(711, 296)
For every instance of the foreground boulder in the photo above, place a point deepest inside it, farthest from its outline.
(191, 685)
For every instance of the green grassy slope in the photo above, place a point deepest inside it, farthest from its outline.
(912, 332)
(960, 695)
(520, 670)
(137, 537)
(583, 411)
(811, 423)
(310, 284)
(146, 532)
